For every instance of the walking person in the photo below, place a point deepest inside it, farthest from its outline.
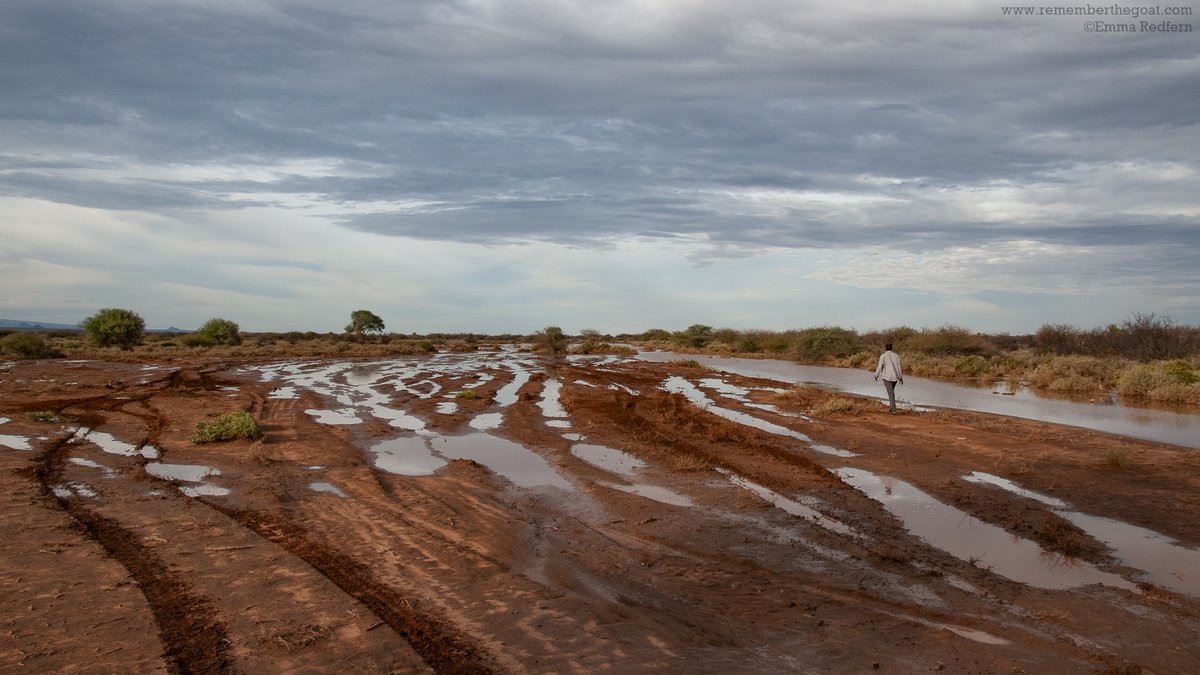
(889, 369)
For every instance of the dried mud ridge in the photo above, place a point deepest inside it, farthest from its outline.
(679, 567)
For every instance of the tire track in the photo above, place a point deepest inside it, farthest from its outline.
(434, 641)
(193, 639)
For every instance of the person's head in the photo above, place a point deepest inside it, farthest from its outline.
(888, 347)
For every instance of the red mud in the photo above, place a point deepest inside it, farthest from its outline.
(110, 569)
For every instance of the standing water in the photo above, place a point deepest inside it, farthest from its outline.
(1164, 426)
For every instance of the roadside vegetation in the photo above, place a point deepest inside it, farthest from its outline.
(1147, 357)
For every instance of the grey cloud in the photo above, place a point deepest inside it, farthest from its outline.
(529, 123)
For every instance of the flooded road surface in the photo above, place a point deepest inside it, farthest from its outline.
(1164, 426)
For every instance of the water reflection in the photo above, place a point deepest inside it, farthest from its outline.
(1167, 426)
(1165, 562)
(968, 538)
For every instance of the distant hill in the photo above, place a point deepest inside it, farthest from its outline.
(49, 325)
(37, 325)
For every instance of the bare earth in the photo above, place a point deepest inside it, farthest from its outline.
(716, 547)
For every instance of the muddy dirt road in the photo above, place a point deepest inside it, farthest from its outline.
(493, 512)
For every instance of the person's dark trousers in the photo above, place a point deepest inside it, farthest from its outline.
(891, 390)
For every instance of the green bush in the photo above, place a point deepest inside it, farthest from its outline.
(227, 427)
(197, 340)
(467, 394)
(826, 342)
(28, 346)
(697, 335)
(972, 366)
(41, 416)
(114, 327)
(221, 332)
(1182, 371)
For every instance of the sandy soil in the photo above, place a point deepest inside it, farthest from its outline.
(713, 547)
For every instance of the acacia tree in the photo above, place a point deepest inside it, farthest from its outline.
(552, 339)
(114, 327)
(364, 322)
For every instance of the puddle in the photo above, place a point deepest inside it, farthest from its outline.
(191, 473)
(447, 408)
(74, 489)
(1168, 426)
(321, 486)
(15, 442)
(284, 393)
(830, 450)
(108, 471)
(792, 506)
(627, 466)
(613, 461)
(508, 393)
(515, 462)
(983, 544)
(1165, 562)
(204, 490)
(487, 421)
(1008, 485)
(680, 385)
(654, 493)
(407, 456)
(550, 403)
(108, 443)
(345, 416)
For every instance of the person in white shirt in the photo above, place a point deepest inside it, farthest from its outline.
(889, 369)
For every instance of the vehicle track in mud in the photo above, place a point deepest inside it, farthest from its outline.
(194, 639)
(444, 651)
(476, 574)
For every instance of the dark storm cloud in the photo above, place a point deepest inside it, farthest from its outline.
(566, 122)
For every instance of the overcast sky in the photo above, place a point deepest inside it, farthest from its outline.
(501, 166)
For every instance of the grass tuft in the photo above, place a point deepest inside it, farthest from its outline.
(227, 427)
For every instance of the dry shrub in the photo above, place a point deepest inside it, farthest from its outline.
(258, 453)
(1059, 535)
(796, 398)
(839, 405)
(1117, 458)
(291, 638)
(689, 463)
(1076, 383)
(1072, 371)
(1175, 393)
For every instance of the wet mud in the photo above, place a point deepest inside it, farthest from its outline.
(495, 512)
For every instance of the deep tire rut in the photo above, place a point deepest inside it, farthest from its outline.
(435, 642)
(194, 640)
